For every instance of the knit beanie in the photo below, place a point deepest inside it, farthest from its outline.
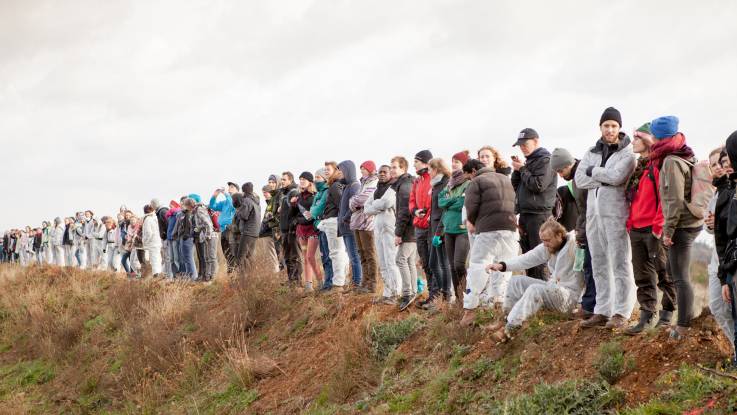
(195, 197)
(370, 166)
(664, 127)
(561, 159)
(461, 156)
(272, 178)
(266, 189)
(611, 114)
(307, 176)
(644, 128)
(322, 173)
(424, 156)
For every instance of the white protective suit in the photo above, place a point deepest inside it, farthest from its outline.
(483, 288)
(383, 211)
(561, 292)
(338, 255)
(606, 217)
(57, 245)
(151, 239)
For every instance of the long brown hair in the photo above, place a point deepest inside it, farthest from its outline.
(499, 162)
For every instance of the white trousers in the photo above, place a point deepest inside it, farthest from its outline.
(337, 254)
(526, 296)
(611, 261)
(484, 288)
(59, 255)
(386, 252)
(720, 309)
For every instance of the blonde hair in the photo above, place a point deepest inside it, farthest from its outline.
(499, 162)
(717, 150)
(438, 165)
(553, 228)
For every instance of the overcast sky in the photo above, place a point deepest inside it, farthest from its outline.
(104, 103)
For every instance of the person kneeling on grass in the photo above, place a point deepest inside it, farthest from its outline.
(526, 295)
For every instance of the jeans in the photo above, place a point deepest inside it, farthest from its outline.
(440, 273)
(174, 257)
(588, 300)
(187, 257)
(355, 260)
(406, 262)
(679, 258)
(327, 264)
(125, 261)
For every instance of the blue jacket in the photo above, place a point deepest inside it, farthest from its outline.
(351, 187)
(226, 209)
(170, 223)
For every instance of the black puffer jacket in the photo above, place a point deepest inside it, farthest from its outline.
(490, 202)
(332, 204)
(163, 222)
(436, 214)
(404, 228)
(534, 184)
(247, 214)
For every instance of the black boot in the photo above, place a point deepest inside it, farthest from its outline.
(665, 318)
(646, 317)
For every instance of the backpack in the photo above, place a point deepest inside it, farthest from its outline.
(702, 190)
(214, 216)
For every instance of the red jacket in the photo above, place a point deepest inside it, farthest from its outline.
(647, 208)
(421, 198)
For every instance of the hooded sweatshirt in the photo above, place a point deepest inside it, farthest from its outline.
(350, 188)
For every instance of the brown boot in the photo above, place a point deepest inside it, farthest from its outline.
(469, 316)
(597, 320)
(617, 322)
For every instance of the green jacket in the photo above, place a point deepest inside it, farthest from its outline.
(451, 201)
(318, 203)
(272, 209)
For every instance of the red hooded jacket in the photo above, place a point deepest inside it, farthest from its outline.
(421, 198)
(647, 208)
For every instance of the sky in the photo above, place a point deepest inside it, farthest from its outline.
(117, 102)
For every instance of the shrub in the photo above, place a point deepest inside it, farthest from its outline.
(570, 397)
(385, 337)
(612, 364)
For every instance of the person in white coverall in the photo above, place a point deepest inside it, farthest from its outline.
(151, 240)
(489, 203)
(604, 171)
(57, 243)
(527, 295)
(381, 205)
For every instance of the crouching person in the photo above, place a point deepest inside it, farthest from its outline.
(525, 295)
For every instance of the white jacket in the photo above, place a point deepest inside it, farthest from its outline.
(150, 232)
(560, 265)
(383, 210)
(57, 235)
(606, 184)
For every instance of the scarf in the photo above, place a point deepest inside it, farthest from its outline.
(674, 146)
(457, 178)
(634, 182)
(381, 189)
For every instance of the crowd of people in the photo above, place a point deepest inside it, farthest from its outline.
(482, 231)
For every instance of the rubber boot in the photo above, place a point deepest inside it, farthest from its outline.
(646, 317)
(664, 318)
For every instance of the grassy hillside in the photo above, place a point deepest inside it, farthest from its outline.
(90, 342)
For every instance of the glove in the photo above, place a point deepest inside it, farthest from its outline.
(437, 241)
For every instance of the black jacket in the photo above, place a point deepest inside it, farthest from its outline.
(285, 208)
(436, 214)
(404, 228)
(305, 200)
(565, 211)
(332, 204)
(725, 193)
(534, 184)
(248, 216)
(163, 222)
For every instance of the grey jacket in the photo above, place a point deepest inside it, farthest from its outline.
(248, 216)
(604, 172)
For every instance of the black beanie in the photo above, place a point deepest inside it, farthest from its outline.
(424, 156)
(247, 188)
(612, 114)
(307, 176)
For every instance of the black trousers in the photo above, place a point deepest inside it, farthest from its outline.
(649, 258)
(456, 249)
(424, 243)
(529, 238)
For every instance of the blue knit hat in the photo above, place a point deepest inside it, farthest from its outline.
(664, 127)
(195, 197)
